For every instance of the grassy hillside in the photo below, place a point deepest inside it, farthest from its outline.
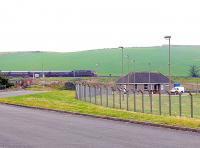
(105, 61)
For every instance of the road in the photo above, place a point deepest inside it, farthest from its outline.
(24, 127)
(4, 94)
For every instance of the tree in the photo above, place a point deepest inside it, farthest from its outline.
(4, 82)
(194, 71)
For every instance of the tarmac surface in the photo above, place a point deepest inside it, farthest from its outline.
(11, 93)
(29, 128)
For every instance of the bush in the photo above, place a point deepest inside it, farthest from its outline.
(69, 86)
(4, 83)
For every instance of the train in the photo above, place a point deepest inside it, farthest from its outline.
(38, 74)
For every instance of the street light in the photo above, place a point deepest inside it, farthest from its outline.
(169, 38)
(128, 58)
(149, 64)
(96, 67)
(133, 61)
(43, 75)
(122, 48)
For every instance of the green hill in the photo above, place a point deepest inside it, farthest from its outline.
(106, 61)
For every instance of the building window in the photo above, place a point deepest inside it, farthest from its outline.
(135, 86)
(145, 86)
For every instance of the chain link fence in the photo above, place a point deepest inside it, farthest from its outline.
(187, 104)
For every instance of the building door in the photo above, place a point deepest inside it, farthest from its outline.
(156, 87)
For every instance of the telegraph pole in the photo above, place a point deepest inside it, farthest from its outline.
(169, 64)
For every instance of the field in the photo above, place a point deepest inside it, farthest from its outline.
(65, 101)
(106, 61)
(185, 105)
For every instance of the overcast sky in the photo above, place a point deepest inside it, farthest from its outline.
(71, 25)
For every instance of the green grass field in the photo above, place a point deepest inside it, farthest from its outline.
(186, 80)
(106, 61)
(65, 101)
(186, 108)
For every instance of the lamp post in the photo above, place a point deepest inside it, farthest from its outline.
(42, 69)
(169, 64)
(96, 67)
(128, 58)
(43, 75)
(149, 64)
(133, 61)
(122, 48)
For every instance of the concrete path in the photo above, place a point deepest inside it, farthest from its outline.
(24, 128)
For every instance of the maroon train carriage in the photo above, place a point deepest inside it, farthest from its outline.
(37, 74)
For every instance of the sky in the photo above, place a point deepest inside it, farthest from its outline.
(74, 25)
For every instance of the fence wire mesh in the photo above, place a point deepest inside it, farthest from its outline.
(186, 104)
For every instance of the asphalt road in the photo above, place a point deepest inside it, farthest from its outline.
(4, 94)
(23, 127)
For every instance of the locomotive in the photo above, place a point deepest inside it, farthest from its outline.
(37, 74)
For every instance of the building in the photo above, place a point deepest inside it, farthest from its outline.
(145, 81)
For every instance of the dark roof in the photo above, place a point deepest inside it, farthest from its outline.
(143, 77)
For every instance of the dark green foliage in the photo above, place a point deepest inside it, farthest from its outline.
(4, 83)
(69, 86)
(194, 71)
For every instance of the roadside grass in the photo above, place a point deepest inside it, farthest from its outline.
(65, 101)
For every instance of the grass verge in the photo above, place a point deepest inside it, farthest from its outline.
(65, 101)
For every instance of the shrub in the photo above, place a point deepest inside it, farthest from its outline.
(69, 86)
(4, 82)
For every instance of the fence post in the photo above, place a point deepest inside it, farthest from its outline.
(127, 96)
(151, 106)
(142, 100)
(180, 105)
(120, 99)
(106, 96)
(170, 107)
(85, 92)
(101, 95)
(123, 93)
(134, 97)
(95, 95)
(191, 104)
(76, 87)
(113, 93)
(90, 93)
(81, 87)
(79, 91)
(160, 104)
